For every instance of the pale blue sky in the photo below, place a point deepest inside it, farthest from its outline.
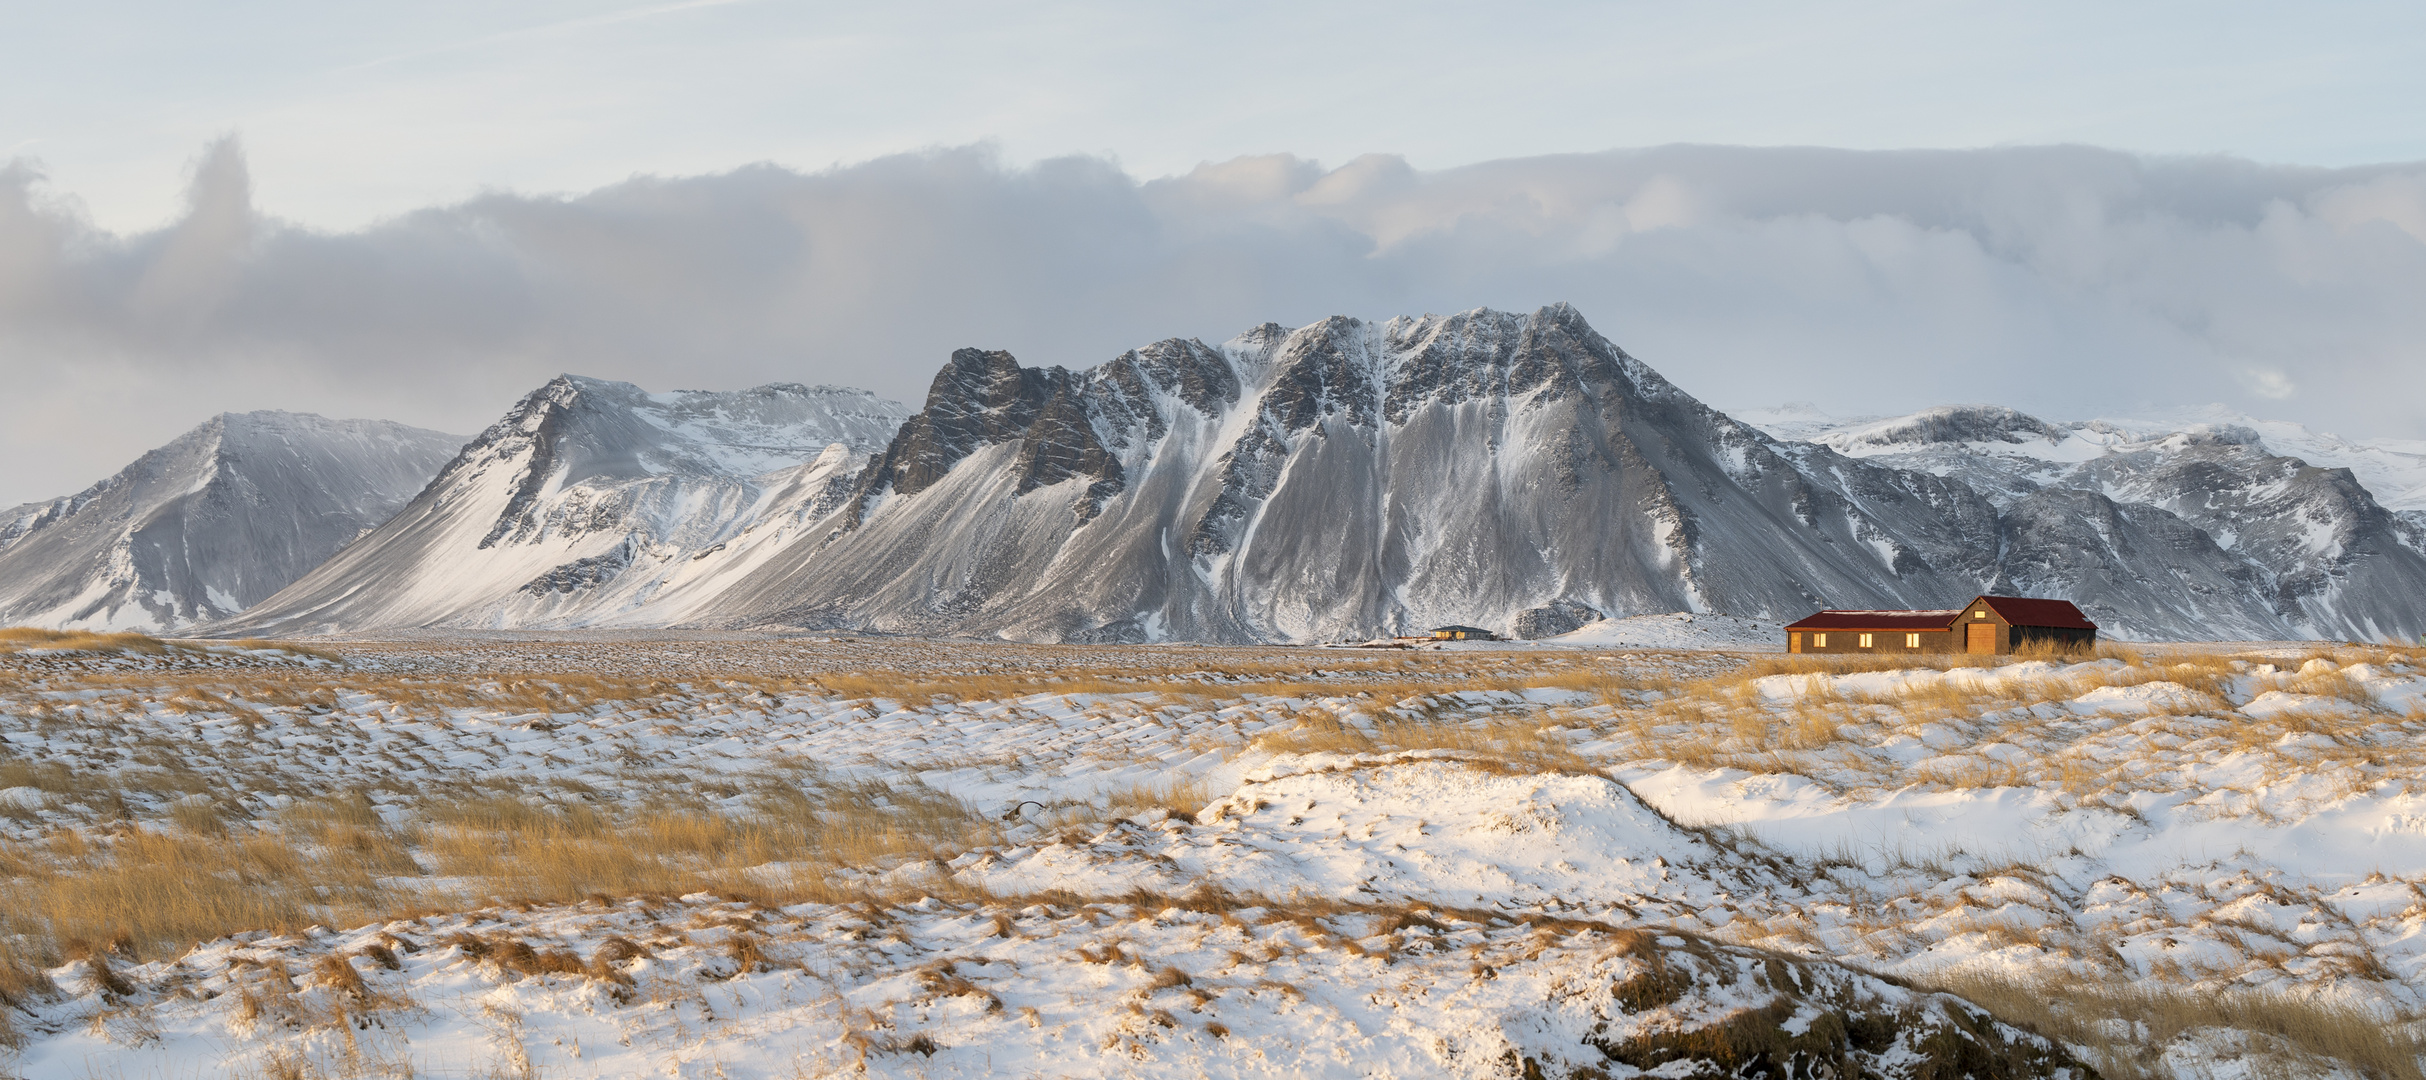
(354, 111)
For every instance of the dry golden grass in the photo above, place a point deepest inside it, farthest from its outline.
(563, 692)
(1611, 684)
(1387, 677)
(513, 850)
(308, 689)
(51, 777)
(20, 984)
(1507, 742)
(2296, 1034)
(160, 891)
(1852, 663)
(1183, 798)
(22, 638)
(336, 859)
(577, 852)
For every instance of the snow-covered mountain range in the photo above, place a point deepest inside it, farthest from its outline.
(1522, 473)
(211, 523)
(2392, 470)
(1339, 480)
(1346, 479)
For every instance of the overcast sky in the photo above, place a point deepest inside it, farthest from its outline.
(420, 211)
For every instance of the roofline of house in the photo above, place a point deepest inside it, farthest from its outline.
(1952, 620)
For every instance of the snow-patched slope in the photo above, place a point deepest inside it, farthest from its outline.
(211, 523)
(592, 501)
(1437, 831)
(925, 988)
(2393, 470)
(2209, 801)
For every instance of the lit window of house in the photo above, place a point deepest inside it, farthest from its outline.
(1912, 641)
(1865, 641)
(1819, 640)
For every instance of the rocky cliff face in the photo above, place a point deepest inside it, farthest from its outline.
(211, 523)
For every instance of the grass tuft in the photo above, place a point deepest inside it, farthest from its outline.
(2127, 1027)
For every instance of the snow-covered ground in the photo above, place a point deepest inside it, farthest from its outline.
(1676, 630)
(1227, 862)
(1679, 630)
(700, 986)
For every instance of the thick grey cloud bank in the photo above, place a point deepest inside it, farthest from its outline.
(2065, 280)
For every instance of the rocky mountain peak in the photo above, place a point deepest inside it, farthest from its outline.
(1197, 374)
(1325, 369)
(1546, 355)
(1255, 347)
(980, 398)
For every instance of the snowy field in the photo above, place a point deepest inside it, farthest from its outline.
(716, 855)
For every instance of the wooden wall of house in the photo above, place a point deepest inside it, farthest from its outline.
(2011, 638)
(1890, 642)
(2008, 638)
(2000, 631)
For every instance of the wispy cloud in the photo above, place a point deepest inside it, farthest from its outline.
(2062, 279)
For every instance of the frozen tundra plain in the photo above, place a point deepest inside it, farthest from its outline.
(716, 855)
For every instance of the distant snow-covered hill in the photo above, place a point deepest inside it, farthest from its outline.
(211, 523)
(2310, 545)
(594, 502)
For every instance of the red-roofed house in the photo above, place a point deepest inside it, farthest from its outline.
(1988, 624)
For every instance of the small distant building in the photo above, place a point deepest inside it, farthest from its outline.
(1462, 633)
(1988, 624)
